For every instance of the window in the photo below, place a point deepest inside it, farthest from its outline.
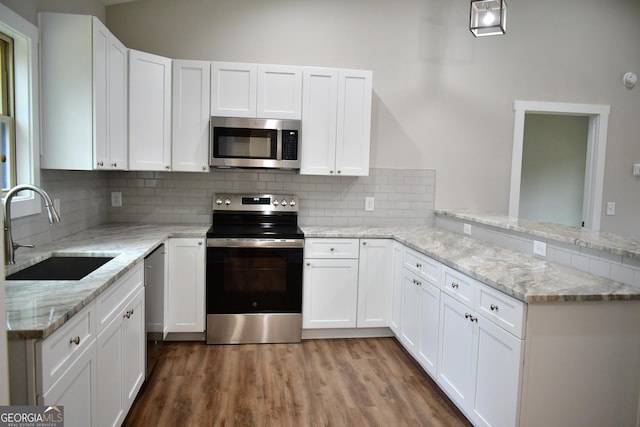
(7, 140)
(23, 131)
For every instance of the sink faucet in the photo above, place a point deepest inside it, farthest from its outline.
(9, 246)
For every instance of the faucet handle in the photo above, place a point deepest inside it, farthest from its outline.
(18, 245)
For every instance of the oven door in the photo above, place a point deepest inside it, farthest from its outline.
(254, 276)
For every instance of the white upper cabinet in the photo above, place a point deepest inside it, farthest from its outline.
(233, 89)
(190, 116)
(336, 121)
(279, 92)
(252, 90)
(149, 111)
(84, 94)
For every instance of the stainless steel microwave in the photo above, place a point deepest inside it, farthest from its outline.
(254, 143)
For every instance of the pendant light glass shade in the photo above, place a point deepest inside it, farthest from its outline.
(488, 17)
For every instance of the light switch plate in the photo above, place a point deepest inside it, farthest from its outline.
(467, 229)
(369, 204)
(539, 248)
(611, 208)
(116, 199)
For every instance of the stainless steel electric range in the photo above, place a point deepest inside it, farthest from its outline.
(254, 270)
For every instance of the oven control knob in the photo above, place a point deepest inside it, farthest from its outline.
(218, 201)
(276, 202)
(292, 203)
(227, 201)
(284, 202)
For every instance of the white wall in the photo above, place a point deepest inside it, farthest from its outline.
(28, 9)
(442, 99)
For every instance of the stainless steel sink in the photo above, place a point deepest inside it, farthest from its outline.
(61, 268)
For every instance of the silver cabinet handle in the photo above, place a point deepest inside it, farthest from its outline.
(418, 265)
(75, 341)
(494, 307)
(364, 243)
(332, 249)
(114, 164)
(417, 282)
(470, 317)
(167, 167)
(308, 264)
(454, 285)
(204, 168)
(100, 163)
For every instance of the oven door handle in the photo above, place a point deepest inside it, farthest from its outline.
(255, 243)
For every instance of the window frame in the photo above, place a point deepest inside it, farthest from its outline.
(7, 108)
(27, 118)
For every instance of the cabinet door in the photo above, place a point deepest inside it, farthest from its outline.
(184, 299)
(101, 36)
(134, 349)
(319, 121)
(149, 111)
(353, 122)
(117, 107)
(279, 92)
(233, 89)
(455, 371)
(67, 91)
(410, 318)
(190, 116)
(396, 294)
(497, 368)
(429, 321)
(110, 373)
(374, 283)
(330, 293)
(76, 390)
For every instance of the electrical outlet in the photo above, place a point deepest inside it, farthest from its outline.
(368, 204)
(467, 229)
(116, 199)
(539, 248)
(611, 208)
(636, 169)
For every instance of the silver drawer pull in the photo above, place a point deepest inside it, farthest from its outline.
(417, 282)
(473, 318)
(75, 341)
(454, 285)
(418, 265)
(332, 249)
(467, 315)
(494, 307)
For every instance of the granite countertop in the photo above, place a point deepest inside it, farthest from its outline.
(525, 277)
(35, 309)
(598, 240)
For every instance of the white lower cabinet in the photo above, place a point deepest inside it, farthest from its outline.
(480, 362)
(121, 349)
(330, 293)
(374, 283)
(184, 290)
(396, 287)
(410, 314)
(427, 345)
(76, 391)
(347, 283)
(93, 365)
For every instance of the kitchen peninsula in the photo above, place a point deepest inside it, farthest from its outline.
(564, 313)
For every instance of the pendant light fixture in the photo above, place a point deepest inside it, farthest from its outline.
(488, 17)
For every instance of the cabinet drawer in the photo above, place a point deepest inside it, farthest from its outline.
(61, 349)
(501, 309)
(459, 286)
(110, 302)
(331, 248)
(425, 267)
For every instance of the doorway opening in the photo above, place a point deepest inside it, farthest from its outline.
(541, 200)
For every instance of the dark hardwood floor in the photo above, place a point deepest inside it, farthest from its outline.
(344, 382)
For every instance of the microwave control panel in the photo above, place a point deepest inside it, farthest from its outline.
(289, 144)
